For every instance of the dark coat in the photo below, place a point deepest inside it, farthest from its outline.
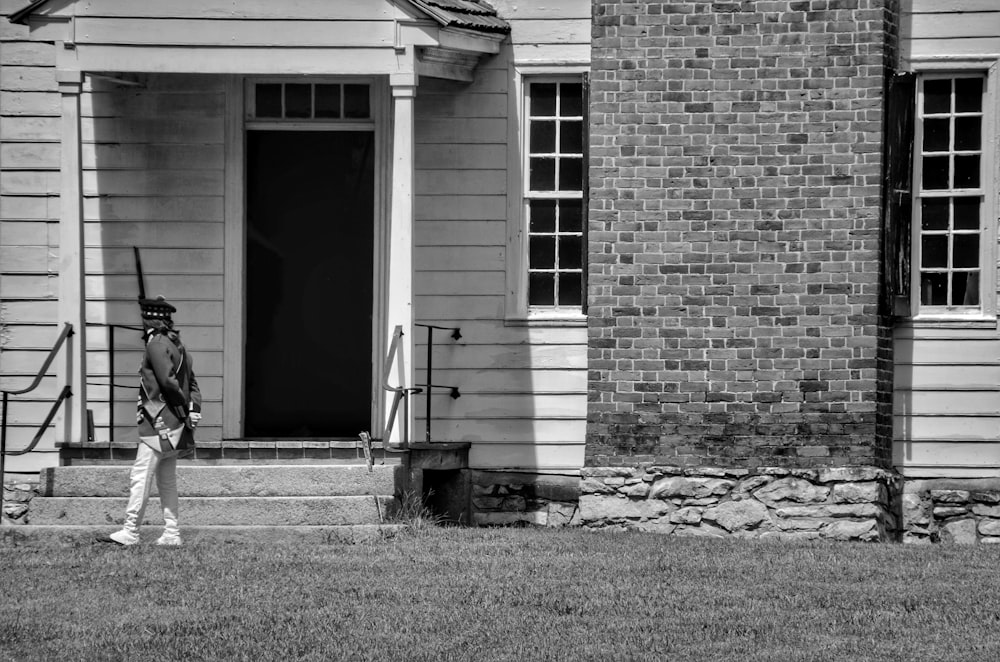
(167, 385)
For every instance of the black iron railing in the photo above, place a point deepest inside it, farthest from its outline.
(402, 393)
(64, 394)
(111, 380)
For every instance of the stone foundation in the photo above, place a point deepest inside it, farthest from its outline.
(16, 499)
(506, 498)
(957, 511)
(852, 503)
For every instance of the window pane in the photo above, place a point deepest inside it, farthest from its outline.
(570, 289)
(543, 175)
(937, 96)
(934, 214)
(571, 138)
(965, 251)
(968, 95)
(965, 288)
(298, 100)
(356, 104)
(934, 251)
(542, 252)
(570, 256)
(936, 135)
(967, 171)
(935, 172)
(572, 100)
(571, 174)
(543, 216)
(543, 137)
(966, 213)
(968, 133)
(268, 100)
(571, 216)
(934, 289)
(541, 289)
(328, 101)
(543, 99)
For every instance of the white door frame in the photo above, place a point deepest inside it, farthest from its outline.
(234, 306)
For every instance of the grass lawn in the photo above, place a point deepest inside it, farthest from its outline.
(502, 594)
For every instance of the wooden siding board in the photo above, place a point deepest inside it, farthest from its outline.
(253, 10)
(160, 31)
(528, 456)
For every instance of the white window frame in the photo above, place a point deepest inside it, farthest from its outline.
(516, 308)
(986, 310)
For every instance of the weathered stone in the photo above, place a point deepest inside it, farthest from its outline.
(985, 497)
(773, 471)
(989, 527)
(959, 532)
(989, 541)
(910, 538)
(710, 501)
(859, 493)
(986, 511)
(713, 472)
(862, 510)
(738, 515)
(614, 481)
(686, 516)
(658, 472)
(677, 486)
(703, 531)
(595, 508)
(943, 512)
(487, 503)
(850, 474)
(805, 474)
(655, 526)
(800, 524)
(606, 472)
(950, 496)
(561, 514)
(636, 491)
(916, 510)
(595, 486)
(865, 530)
(752, 483)
(792, 489)
(15, 511)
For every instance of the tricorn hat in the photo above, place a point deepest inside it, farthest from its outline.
(156, 309)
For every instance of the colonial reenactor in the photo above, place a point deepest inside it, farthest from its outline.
(169, 409)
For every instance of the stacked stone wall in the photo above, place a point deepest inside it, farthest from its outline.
(734, 234)
(951, 511)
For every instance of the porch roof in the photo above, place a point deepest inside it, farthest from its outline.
(468, 14)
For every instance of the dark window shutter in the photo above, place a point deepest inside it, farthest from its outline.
(586, 189)
(897, 183)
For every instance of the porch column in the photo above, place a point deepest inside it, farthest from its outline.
(400, 305)
(72, 425)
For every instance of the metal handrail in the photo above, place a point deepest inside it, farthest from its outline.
(64, 394)
(111, 378)
(456, 334)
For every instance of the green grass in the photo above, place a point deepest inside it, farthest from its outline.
(502, 594)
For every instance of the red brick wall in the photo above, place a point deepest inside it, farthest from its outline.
(734, 233)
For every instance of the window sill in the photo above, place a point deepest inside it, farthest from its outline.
(549, 320)
(978, 322)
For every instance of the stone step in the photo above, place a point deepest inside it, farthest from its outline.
(229, 480)
(350, 534)
(220, 511)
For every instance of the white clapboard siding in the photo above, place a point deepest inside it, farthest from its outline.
(524, 389)
(950, 28)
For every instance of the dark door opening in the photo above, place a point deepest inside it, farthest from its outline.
(310, 228)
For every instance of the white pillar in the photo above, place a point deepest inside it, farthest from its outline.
(72, 424)
(400, 305)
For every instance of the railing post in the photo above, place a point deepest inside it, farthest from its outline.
(430, 373)
(111, 389)
(3, 451)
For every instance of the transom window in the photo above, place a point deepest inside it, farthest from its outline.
(311, 101)
(950, 191)
(553, 198)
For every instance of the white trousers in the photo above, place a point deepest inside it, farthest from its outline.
(150, 464)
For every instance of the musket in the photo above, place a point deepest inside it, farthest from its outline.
(139, 274)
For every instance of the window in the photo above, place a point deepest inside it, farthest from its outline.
(322, 101)
(951, 236)
(552, 216)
